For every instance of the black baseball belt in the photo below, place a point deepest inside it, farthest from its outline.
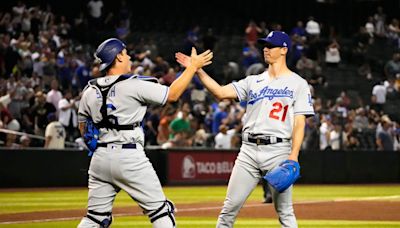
(262, 139)
(124, 146)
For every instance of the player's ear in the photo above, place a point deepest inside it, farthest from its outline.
(284, 51)
(119, 57)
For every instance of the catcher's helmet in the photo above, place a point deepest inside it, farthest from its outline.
(107, 51)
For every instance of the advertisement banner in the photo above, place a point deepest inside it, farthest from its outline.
(200, 166)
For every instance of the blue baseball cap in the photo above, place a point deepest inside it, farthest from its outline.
(276, 39)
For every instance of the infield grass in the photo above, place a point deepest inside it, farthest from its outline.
(196, 222)
(53, 199)
(56, 199)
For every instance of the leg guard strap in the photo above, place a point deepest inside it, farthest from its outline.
(105, 223)
(170, 212)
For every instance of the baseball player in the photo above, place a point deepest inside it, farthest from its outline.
(278, 102)
(115, 105)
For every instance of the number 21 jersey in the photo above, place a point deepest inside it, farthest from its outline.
(272, 103)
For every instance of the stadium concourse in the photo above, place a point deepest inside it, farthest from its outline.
(353, 71)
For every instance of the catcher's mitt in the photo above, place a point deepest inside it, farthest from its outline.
(284, 175)
(91, 136)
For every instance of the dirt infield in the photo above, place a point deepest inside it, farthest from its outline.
(345, 210)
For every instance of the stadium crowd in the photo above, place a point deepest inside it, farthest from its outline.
(46, 60)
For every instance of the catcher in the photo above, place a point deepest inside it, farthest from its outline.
(110, 115)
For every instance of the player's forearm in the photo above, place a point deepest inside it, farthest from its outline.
(82, 126)
(179, 85)
(297, 138)
(210, 84)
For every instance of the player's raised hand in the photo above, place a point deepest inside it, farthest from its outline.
(200, 60)
(182, 59)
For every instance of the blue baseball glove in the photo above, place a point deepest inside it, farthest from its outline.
(284, 175)
(91, 136)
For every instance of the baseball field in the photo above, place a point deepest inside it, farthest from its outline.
(315, 205)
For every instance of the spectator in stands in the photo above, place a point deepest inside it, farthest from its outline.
(378, 98)
(68, 115)
(299, 30)
(160, 67)
(200, 137)
(181, 124)
(180, 129)
(40, 110)
(392, 67)
(324, 132)
(224, 138)
(393, 33)
(11, 55)
(151, 122)
(318, 80)
(19, 101)
(353, 142)
(313, 28)
(332, 54)
(334, 138)
(54, 95)
(370, 27)
(360, 47)
(251, 55)
(83, 74)
(264, 29)
(64, 28)
(95, 12)
(396, 136)
(255, 68)
(55, 133)
(192, 39)
(166, 116)
(346, 101)
(311, 141)
(380, 18)
(169, 77)
(252, 30)
(360, 122)
(219, 116)
(9, 123)
(384, 139)
(122, 30)
(298, 49)
(305, 67)
(24, 141)
(231, 71)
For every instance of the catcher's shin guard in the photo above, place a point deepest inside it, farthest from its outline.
(166, 210)
(105, 223)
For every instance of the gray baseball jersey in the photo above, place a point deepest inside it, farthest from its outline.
(127, 100)
(115, 167)
(272, 104)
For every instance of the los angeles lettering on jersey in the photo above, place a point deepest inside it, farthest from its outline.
(269, 93)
